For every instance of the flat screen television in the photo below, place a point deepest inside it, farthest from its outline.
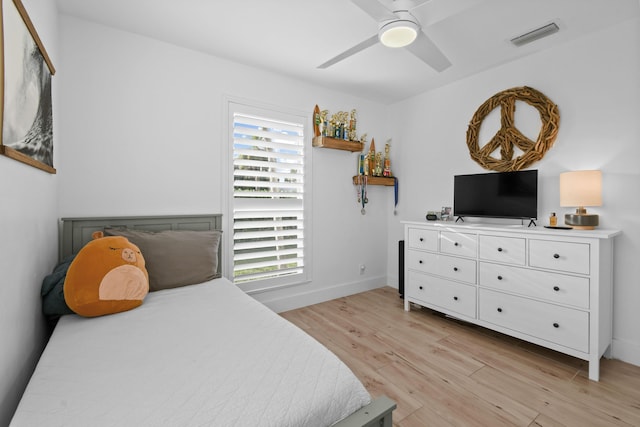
(496, 195)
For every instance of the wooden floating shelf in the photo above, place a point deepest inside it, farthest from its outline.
(337, 144)
(375, 180)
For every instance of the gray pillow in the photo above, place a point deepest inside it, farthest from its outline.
(175, 258)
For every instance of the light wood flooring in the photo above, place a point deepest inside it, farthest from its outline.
(442, 372)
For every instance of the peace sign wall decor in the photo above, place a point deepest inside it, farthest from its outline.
(509, 136)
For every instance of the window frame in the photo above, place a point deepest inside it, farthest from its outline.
(248, 107)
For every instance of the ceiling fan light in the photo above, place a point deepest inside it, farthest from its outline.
(398, 33)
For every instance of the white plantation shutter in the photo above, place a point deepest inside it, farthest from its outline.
(268, 198)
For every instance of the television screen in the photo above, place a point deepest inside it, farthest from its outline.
(496, 195)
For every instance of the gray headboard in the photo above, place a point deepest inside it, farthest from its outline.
(76, 232)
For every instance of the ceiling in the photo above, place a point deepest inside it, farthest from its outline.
(293, 37)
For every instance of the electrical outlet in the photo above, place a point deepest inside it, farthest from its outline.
(362, 268)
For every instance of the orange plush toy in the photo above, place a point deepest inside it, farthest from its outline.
(107, 276)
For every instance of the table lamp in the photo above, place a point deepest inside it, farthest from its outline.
(580, 189)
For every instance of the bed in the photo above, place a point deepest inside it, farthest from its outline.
(203, 354)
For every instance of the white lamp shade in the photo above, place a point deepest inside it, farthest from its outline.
(398, 33)
(581, 188)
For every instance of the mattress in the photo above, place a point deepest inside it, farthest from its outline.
(200, 355)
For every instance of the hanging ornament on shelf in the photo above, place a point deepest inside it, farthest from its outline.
(365, 199)
(395, 195)
(361, 192)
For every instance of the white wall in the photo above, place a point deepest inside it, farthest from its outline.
(28, 244)
(144, 131)
(595, 83)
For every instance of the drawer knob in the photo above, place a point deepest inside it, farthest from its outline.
(456, 244)
(499, 249)
(420, 262)
(422, 239)
(455, 298)
(499, 310)
(556, 256)
(555, 325)
(499, 277)
(455, 268)
(556, 288)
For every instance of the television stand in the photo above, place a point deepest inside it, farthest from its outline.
(531, 221)
(460, 219)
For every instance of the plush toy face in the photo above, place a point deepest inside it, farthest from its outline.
(107, 276)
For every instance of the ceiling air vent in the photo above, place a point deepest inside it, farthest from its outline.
(536, 34)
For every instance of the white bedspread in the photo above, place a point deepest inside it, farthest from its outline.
(201, 355)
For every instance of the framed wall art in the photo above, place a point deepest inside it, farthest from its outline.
(26, 114)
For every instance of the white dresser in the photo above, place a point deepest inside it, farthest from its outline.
(549, 287)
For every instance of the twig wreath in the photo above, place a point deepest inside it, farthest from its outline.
(509, 136)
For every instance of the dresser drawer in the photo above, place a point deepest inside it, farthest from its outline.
(423, 239)
(450, 267)
(426, 262)
(561, 256)
(553, 287)
(560, 325)
(461, 269)
(510, 250)
(462, 244)
(442, 293)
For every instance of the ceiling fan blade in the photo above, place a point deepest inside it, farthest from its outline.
(347, 53)
(375, 9)
(424, 48)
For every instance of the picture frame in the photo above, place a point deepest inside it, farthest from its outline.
(445, 214)
(26, 111)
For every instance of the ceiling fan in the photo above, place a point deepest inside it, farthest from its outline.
(397, 28)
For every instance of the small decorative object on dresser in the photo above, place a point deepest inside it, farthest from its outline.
(445, 214)
(549, 287)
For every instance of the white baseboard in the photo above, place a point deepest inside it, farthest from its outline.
(626, 351)
(317, 296)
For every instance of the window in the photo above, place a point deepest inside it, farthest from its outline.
(268, 202)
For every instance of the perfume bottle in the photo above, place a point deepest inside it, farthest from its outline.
(553, 220)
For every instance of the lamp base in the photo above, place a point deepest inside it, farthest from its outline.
(581, 221)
